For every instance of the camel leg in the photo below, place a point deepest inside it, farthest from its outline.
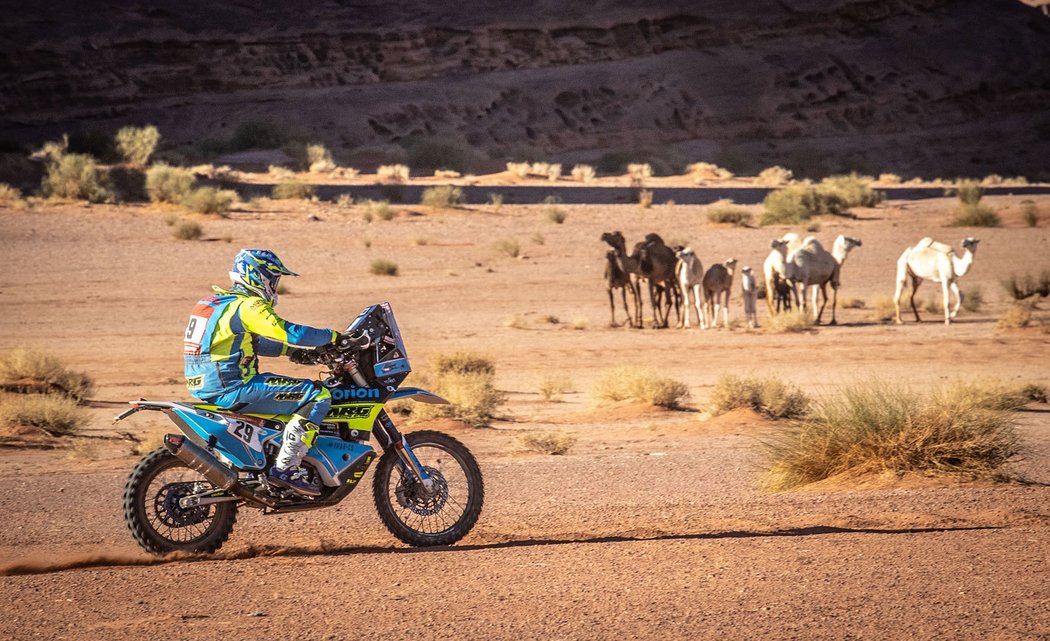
(770, 293)
(958, 298)
(725, 311)
(612, 308)
(654, 300)
(822, 289)
(901, 279)
(834, 303)
(683, 319)
(626, 312)
(945, 297)
(915, 282)
(699, 296)
(636, 294)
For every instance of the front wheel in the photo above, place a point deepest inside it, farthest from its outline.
(155, 516)
(442, 516)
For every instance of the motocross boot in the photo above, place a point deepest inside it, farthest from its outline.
(299, 435)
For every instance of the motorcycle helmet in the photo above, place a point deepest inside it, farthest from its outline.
(258, 271)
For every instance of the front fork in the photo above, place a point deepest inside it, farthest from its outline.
(389, 436)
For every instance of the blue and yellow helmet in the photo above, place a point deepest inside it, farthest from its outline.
(258, 271)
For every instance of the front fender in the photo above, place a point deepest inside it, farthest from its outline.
(419, 395)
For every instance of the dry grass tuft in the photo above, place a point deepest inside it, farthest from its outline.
(442, 196)
(9, 195)
(148, 443)
(701, 171)
(136, 144)
(383, 267)
(1029, 213)
(775, 176)
(975, 215)
(725, 211)
(883, 309)
(165, 184)
(392, 173)
(292, 189)
(767, 396)
(583, 173)
(1017, 316)
(552, 443)
(54, 414)
(508, 246)
(27, 370)
(209, 200)
(853, 303)
(551, 387)
(994, 395)
(640, 384)
(516, 321)
(83, 450)
(187, 230)
(466, 381)
(790, 322)
(877, 426)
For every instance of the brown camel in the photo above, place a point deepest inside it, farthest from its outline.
(630, 266)
(617, 278)
(657, 262)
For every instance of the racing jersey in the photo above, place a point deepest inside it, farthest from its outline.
(226, 334)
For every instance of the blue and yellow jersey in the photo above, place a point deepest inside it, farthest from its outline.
(226, 334)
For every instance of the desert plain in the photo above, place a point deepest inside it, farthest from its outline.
(656, 524)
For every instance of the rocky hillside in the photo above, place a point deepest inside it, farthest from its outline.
(913, 86)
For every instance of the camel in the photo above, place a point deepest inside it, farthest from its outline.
(657, 264)
(690, 274)
(630, 266)
(616, 278)
(773, 269)
(931, 260)
(749, 291)
(813, 266)
(718, 280)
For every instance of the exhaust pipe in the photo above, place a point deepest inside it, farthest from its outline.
(219, 475)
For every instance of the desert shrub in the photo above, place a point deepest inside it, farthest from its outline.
(973, 298)
(516, 321)
(28, 370)
(992, 180)
(280, 173)
(380, 209)
(318, 158)
(446, 174)
(1016, 316)
(725, 211)
(639, 172)
(640, 384)
(166, 184)
(508, 246)
(9, 195)
(969, 192)
(445, 196)
(552, 443)
(852, 303)
(292, 189)
(442, 153)
(258, 134)
(136, 144)
(421, 241)
(344, 201)
(1028, 286)
(583, 173)
(579, 323)
(796, 203)
(700, 171)
(467, 382)
(889, 179)
(56, 415)
(210, 200)
(1029, 213)
(645, 198)
(519, 169)
(555, 215)
(76, 176)
(537, 239)
(876, 426)
(853, 190)
(767, 396)
(187, 230)
(775, 176)
(553, 172)
(383, 267)
(392, 173)
(789, 322)
(496, 201)
(148, 443)
(551, 387)
(975, 215)
(994, 395)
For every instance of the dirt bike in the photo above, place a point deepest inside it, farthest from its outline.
(427, 485)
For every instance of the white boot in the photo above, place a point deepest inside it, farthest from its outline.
(299, 436)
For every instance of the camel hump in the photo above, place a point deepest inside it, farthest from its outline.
(929, 243)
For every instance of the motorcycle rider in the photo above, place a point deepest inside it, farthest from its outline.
(226, 334)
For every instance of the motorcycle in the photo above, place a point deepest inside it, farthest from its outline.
(427, 486)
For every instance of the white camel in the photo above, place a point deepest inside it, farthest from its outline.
(718, 282)
(931, 260)
(749, 291)
(690, 274)
(773, 268)
(813, 266)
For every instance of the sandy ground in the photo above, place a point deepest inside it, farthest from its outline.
(654, 526)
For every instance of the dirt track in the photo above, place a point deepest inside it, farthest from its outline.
(654, 526)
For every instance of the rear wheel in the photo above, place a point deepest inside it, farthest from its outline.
(157, 520)
(442, 516)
